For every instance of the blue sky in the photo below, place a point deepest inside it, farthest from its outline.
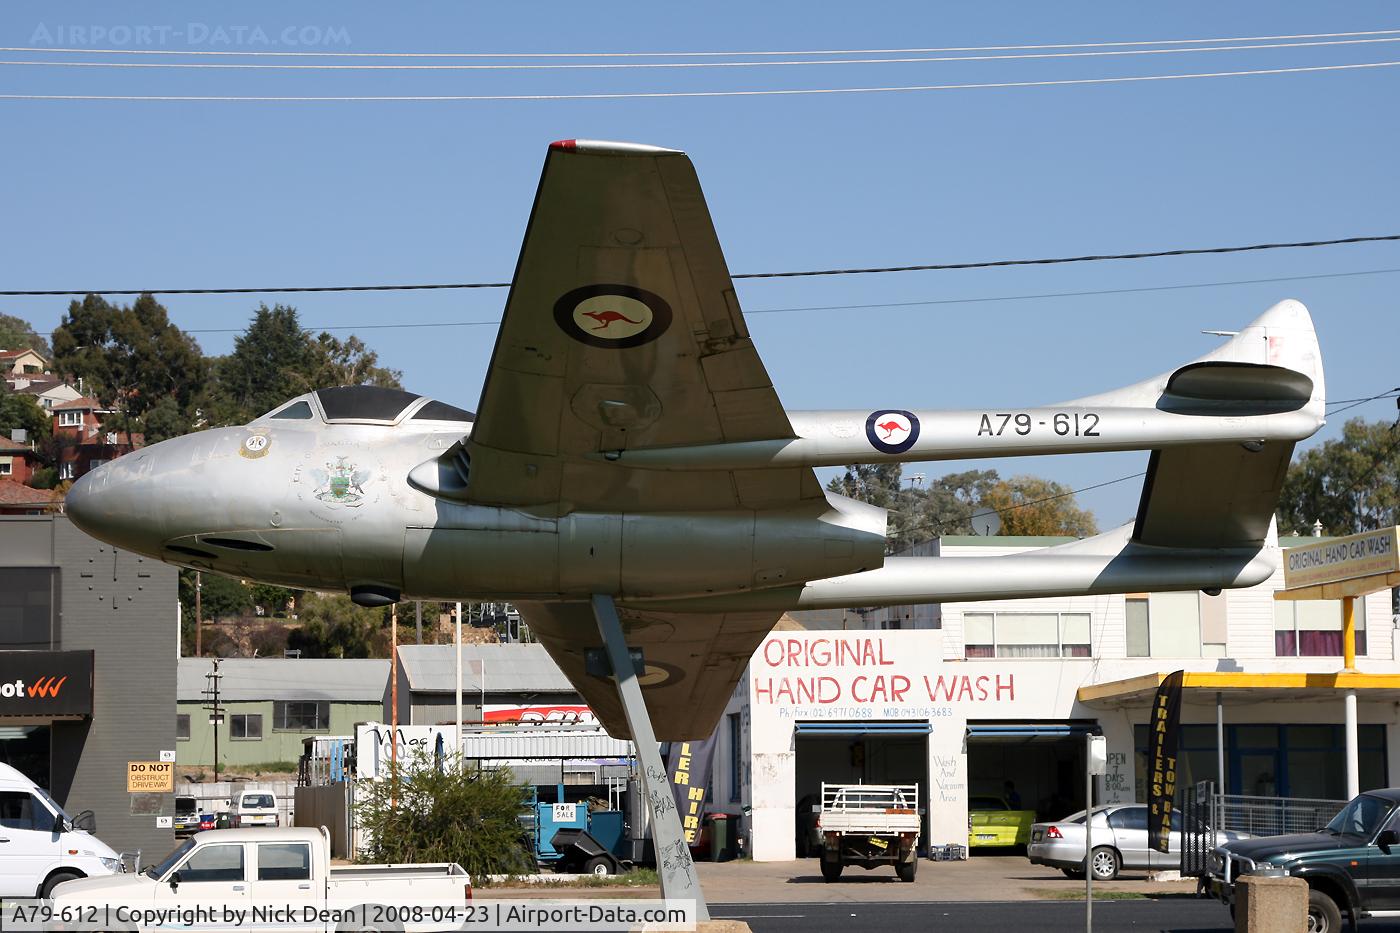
(147, 194)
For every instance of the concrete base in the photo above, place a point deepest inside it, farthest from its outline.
(1266, 904)
(722, 926)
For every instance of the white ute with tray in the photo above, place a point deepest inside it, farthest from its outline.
(287, 868)
(869, 825)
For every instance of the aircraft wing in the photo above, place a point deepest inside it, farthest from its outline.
(693, 660)
(622, 330)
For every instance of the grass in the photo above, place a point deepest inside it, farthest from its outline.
(1061, 894)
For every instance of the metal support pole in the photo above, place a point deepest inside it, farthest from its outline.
(418, 618)
(673, 862)
(1220, 740)
(458, 736)
(1349, 633)
(1088, 839)
(1353, 771)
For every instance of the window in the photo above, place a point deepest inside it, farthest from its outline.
(1129, 818)
(19, 810)
(70, 419)
(284, 861)
(95, 462)
(213, 863)
(29, 608)
(301, 716)
(299, 411)
(6, 467)
(736, 754)
(182, 727)
(1164, 625)
(1312, 628)
(245, 726)
(66, 470)
(1026, 634)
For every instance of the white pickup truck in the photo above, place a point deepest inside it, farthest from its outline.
(869, 825)
(282, 878)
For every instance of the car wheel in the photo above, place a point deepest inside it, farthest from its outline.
(906, 870)
(831, 871)
(1072, 872)
(599, 865)
(1105, 863)
(54, 880)
(1324, 916)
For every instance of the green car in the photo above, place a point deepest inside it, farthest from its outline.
(1352, 866)
(992, 822)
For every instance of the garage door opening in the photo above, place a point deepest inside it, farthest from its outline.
(1030, 768)
(856, 753)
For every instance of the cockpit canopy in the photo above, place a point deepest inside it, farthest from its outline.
(367, 405)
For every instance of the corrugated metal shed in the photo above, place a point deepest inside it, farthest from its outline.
(334, 679)
(514, 668)
(592, 744)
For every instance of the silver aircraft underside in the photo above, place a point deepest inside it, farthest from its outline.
(630, 443)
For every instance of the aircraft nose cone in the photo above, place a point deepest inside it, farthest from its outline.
(81, 507)
(111, 505)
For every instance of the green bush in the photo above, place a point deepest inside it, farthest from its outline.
(462, 814)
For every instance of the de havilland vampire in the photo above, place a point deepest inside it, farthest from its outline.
(629, 444)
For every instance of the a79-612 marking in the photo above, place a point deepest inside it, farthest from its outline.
(1063, 423)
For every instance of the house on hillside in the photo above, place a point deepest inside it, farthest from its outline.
(18, 460)
(21, 362)
(82, 440)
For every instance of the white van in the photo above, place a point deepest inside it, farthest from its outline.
(256, 808)
(40, 847)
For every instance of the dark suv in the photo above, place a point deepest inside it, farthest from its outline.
(1351, 866)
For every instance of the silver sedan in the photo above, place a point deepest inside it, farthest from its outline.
(1120, 841)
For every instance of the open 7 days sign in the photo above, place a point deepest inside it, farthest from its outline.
(45, 683)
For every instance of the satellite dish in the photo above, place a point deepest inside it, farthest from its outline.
(986, 523)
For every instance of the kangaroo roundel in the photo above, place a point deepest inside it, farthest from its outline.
(892, 432)
(612, 316)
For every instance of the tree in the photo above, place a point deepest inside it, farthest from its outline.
(1350, 484)
(17, 333)
(917, 513)
(271, 361)
(1030, 505)
(351, 363)
(456, 814)
(132, 359)
(334, 627)
(22, 412)
(275, 359)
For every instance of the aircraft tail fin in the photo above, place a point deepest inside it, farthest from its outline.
(1213, 495)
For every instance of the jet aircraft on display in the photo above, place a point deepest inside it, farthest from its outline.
(630, 444)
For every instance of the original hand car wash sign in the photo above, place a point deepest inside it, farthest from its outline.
(46, 683)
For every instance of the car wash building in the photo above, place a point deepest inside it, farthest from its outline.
(994, 699)
(88, 643)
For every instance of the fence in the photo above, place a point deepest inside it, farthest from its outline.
(1205, 814)
(221, 796)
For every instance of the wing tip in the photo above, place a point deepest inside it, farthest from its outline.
(606, 147)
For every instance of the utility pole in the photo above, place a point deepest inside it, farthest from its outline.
(394, 700)
(216, 712)
(198, 614)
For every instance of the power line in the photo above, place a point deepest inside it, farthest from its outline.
(931, 267)
(581, 66)
(657, 95)
(862, 306)
(469, 55)
(1353, 402)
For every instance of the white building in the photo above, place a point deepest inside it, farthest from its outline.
(966, 698)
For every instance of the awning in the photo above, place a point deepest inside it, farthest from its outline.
(1240, 686)
(834, 729)
(1026, 732)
